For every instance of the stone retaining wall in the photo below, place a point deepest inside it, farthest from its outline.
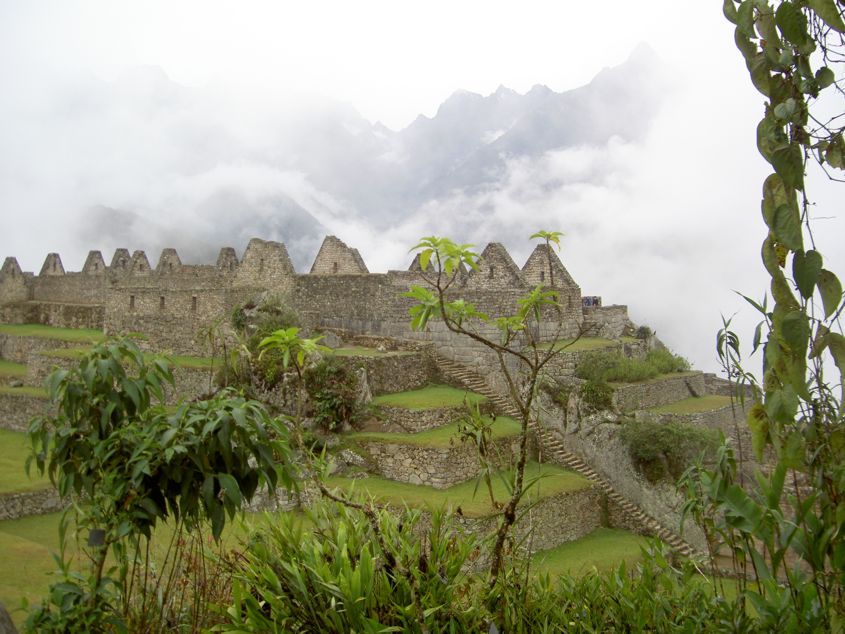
(396, 372)
(562, 367)
(40, 502)
(438, 467)
(18, 349)
(16, 411)
(656, 392)
(56, 314)
(416, 420)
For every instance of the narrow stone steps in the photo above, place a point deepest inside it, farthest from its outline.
(551, 444)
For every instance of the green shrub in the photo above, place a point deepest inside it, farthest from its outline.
(665, 450)
(614, 366)
(331, 574)
(643, 333)
(332, 390)
(596, 394)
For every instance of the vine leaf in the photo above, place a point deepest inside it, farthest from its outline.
(827, 11)
(830, 289)
(806, 268)
(787, 227)
(788, 161)
(792, 23)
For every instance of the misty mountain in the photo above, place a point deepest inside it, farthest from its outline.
(152, 164)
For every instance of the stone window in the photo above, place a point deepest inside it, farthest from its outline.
(95, 266)
(490, 273)
(131, 302)
(194, 303)
(54, 265)
(261, 265)
(542, 276)
(170, 265)
(161, 302)
(334, 267)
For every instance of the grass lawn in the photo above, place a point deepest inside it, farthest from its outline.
(586, 343)
(603, 549)
(10, 369)
(693, 405)
(26, 555)
(180, 361)
(82, 335)
(473, 503)
(26, 390)
(430, 397)
(14, 448)
(502, 427)
(656, 379)
(361, 351)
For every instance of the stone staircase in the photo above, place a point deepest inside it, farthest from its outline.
(550, 445)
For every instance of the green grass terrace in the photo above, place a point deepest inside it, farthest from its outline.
(25, 390)
(14, 448)
(11, 370)
(179, 361)
(471, 496)
(431, 397)
(603, 549)
(441, 437)
(694, 405)
(361, 351)
(584, 344)
(81, 335)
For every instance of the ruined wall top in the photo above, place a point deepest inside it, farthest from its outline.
(335, 258)
(267, 264)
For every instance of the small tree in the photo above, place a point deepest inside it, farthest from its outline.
(442, 263)
(125, 463)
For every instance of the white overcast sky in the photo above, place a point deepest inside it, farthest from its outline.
(692, 189)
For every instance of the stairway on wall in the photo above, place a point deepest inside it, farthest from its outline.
(553, 447)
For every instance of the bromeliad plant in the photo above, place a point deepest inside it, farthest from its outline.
(127, 465)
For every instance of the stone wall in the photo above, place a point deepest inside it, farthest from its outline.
(396, 371)
(40, 502)
(562, 367)
(606, 321)
(16, 410)
(19, 349)
(416, 420)
(597, 440)
(54, 314)
(659, 391)
(438, 467)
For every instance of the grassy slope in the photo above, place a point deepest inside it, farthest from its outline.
(440, 437)
(656, 379)
(361, 351)
(26, 390)
(473, 503)
(430, 397)
(82, 335)
(12, 369)
(14, 448)
(603, 549)
(587, 343)
(180, 361)
(693, 405)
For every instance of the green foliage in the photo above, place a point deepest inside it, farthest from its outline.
(332, 575)
(596, 394)
(613, 366)
(665, 450)
(336, 577)
(127, 464)
(332, 391)
(643, 333)
(790, 538)
(261, 317)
